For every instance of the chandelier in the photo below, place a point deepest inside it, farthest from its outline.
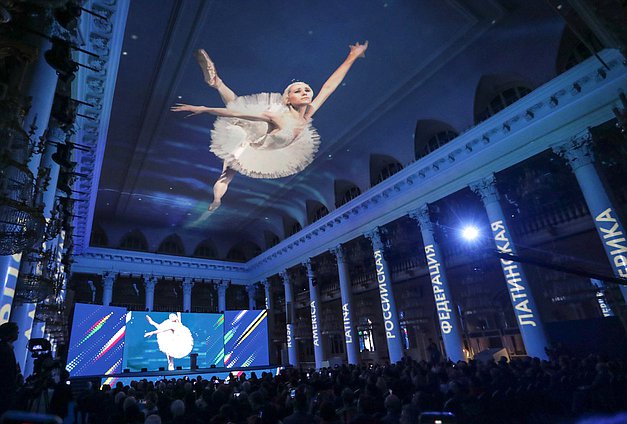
(21, 216)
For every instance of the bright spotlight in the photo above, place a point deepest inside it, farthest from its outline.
(470, 233)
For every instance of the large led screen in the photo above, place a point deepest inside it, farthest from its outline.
(165, 340)
(246, 338)
(97, 340)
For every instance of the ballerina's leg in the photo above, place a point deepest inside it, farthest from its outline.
(221, 186)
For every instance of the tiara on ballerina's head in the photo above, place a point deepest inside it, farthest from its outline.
(290, 85)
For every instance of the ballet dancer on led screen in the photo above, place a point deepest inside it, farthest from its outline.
(265, 135)
(174, 339)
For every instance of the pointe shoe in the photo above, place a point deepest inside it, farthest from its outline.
(207, 66)
(170, 367)
(213, 206)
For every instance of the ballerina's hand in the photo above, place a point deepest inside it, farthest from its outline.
(359, 50)
(148, 334)
(182, 107)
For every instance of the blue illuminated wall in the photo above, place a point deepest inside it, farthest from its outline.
(246, 338)
(97, 340)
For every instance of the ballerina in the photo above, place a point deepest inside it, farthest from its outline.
(266, 135)
(174, 339)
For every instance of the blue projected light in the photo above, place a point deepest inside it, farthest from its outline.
(161, 339)
(470, 233)
(246, 338)
(97, 340)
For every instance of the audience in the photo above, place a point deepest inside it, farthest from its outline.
(562, 389)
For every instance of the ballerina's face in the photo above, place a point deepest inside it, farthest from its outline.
(299, 94)
(173, 317)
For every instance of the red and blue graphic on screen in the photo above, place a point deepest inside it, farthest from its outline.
(97, 340)
(245, 338)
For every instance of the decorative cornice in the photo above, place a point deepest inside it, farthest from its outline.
(96, 87)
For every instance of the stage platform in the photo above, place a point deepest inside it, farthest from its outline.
(206, 373)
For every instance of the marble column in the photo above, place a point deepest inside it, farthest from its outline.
(251, 290)
(187, 294)
(221, 286)
(445, 308)
(578, 152)
(56, 135)
(9, 271)
(523, 302)
(292, 351)
(605, 307)
(346, 294)
(149, 286)
(269, 305)
(314, 303)
(268, 292)
(108, 279)
(386, 293)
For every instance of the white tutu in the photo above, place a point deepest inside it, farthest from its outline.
(177, 341)
(246, 147)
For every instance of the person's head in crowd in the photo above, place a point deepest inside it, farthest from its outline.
(9, 332)
(153, 419)
(348, 397)
(119, 398)
(177, 408)
(392, 404)
(327, 412)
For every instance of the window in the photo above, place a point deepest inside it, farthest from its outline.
(171, 245)
(295, 228)
(349, 195)
(205, 250)
(366, 336)
(236, 255)
(502, 100)
(337, 344)
(319, 213)
(134, 240)
(387, 171)
(439, 140)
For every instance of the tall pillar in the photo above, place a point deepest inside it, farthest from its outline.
(346, 293)
(388, 304)
(251, 290)
(221, 286)
(9, 270)
(292, 353)
(57, 135)
(268, 293)
(578, 152)
(108, 278)
(23, 315)
(269, 305)
(39, 83)
(446, 310)
(527, 314)
(149, 286)
(606, 309)
(314, 303)
(187, 294)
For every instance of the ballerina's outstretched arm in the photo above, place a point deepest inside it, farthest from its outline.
(220, 111)
(357, 51)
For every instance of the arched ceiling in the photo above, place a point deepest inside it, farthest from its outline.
(424, 62)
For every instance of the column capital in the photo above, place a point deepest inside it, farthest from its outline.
(486, 189)
(187, 284)
(108, 278)
(577, 150)
(309, 267)
(421, 214)
(221, 285)
(285, 276)
(374, 236)
(340, 254)
(150, 282)
(266, 283)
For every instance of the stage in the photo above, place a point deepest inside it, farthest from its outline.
(206, 373)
